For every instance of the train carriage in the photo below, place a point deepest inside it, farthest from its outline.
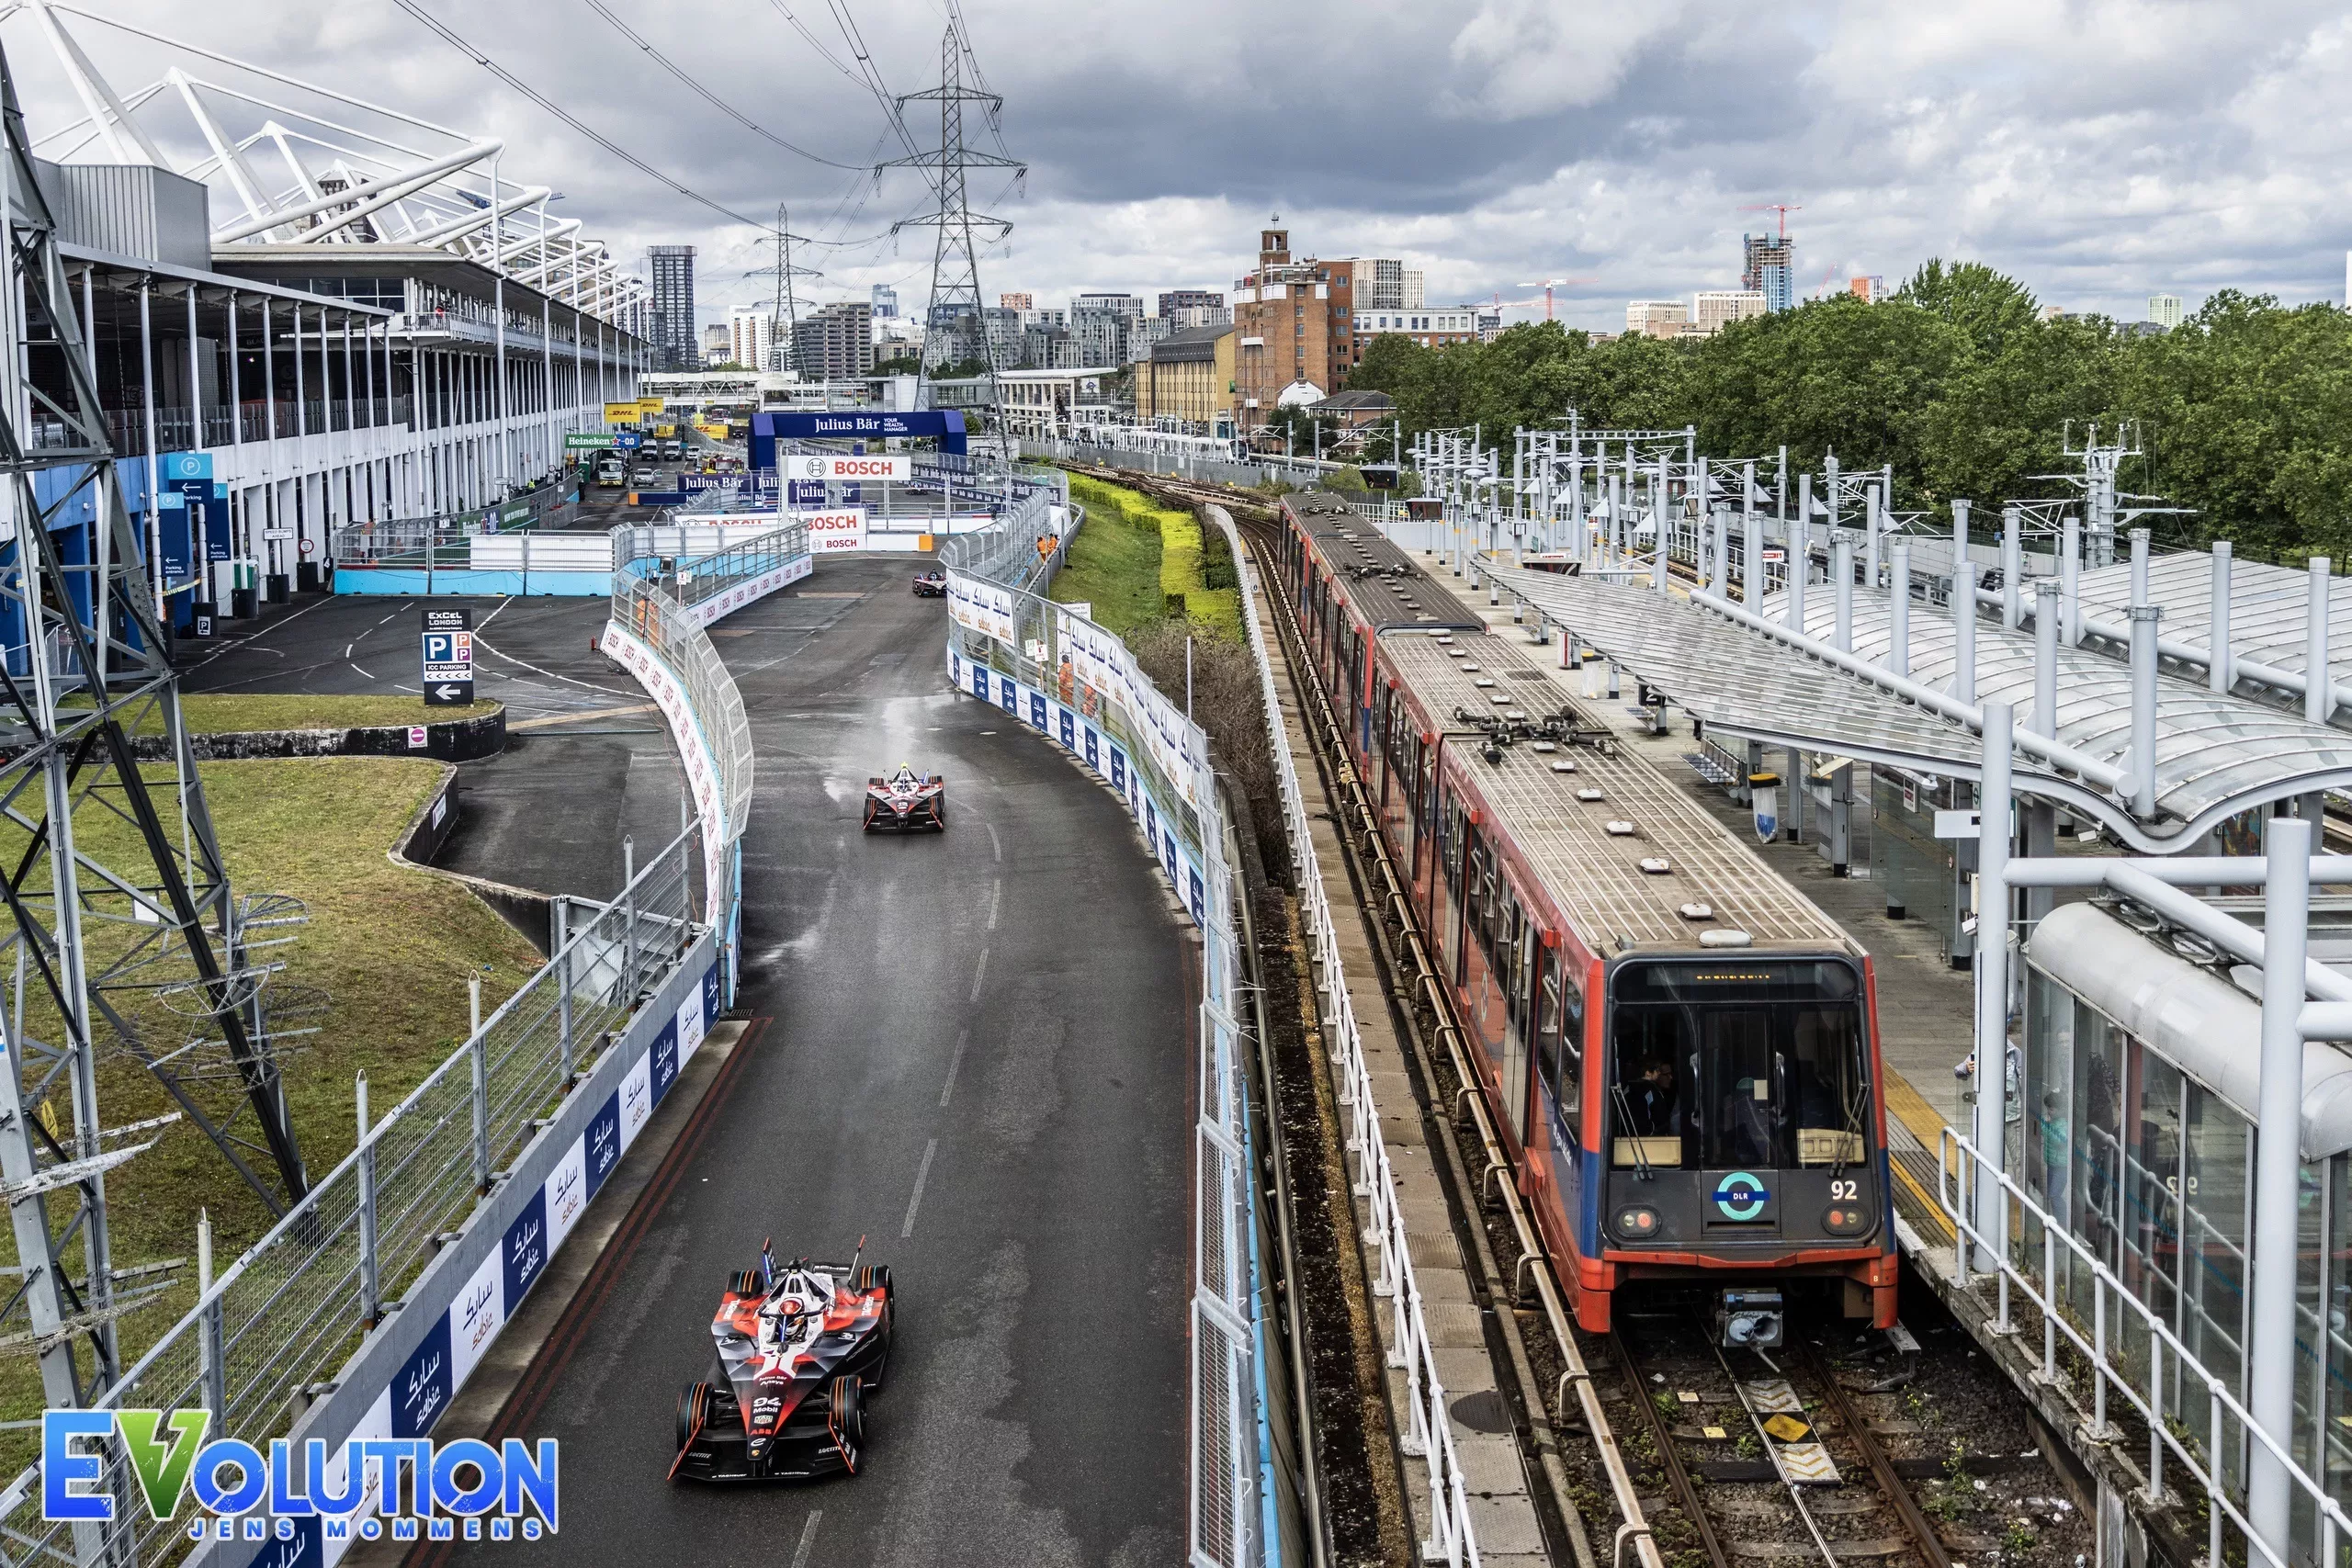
(1679, 1048)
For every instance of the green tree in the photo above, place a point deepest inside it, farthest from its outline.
(1986, 305)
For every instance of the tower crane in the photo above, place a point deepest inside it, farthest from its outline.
(1547, 285)
(1782, 207)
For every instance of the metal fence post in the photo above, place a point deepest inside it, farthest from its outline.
(480, 1057)
(628, 920)
(370, 1291)
(210, 1351)
(559, 939)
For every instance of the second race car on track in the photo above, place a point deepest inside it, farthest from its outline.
(800, 1349)
(905, 801)
(931, 585)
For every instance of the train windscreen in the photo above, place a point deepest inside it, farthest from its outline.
(1718, 1066)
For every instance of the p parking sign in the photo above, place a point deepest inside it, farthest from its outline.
(448, 658)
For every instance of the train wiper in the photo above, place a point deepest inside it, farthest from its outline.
(1642, 1171)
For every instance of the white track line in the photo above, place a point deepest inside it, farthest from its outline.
(923, 1174)
(996, 898)
(995, 842)
(807, 1539)
(954, 1062)
(980, 974)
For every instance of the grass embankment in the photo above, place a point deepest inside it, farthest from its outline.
(1138, 564)
(391, 947)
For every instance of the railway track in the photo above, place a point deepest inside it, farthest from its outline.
(1769, 1454)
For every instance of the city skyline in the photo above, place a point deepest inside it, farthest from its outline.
(2101, 158)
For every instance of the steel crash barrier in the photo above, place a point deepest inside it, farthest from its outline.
(363, 1312)
(1075, 683)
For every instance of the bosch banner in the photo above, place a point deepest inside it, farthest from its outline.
(842, 465)
(844, 528)
(448, 648)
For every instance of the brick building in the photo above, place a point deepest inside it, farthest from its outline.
(1293, 321)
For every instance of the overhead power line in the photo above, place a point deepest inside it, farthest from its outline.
(712, 99)
(543, 101)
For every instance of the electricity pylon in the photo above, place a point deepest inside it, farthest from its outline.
(954, 264)
(787, 309)
(86, 944)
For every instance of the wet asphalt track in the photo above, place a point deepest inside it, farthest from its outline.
(978, 1057)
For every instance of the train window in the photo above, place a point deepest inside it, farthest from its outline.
(1763, 1063)
(1652, 1046)
(1558, 1051)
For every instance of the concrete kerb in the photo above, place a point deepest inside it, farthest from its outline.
(528, 911)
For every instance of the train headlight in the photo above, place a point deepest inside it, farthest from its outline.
(1848, 1217)
(1638, 1222)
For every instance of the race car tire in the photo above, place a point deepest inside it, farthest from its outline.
(873, 1276)
(846, 1416)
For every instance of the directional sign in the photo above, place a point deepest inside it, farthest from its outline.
(448, 649)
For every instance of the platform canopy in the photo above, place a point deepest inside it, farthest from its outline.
(2216, 756)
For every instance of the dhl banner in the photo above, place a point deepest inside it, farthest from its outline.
(620, 414)
(650, 408)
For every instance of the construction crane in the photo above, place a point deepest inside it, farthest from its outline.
(1782, 207)
(1547, 285)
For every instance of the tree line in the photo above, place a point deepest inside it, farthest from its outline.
(2244, 411)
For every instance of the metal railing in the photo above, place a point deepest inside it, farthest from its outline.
(1428, 1434)
(702, 576)
(290, 1312)
(2119, 1316)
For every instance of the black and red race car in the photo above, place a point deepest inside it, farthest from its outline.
(905, 801)
(800, 1349)
(931, 585)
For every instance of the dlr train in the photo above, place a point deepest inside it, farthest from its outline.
(1681, 1051)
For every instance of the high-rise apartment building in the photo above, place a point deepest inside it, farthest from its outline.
(1870, 290)
(1173, 301)
(717, 345)
(1767, 266)
(1005, 324)
(750, 333)
(1391, 286)
(886, 301)
(673, 306)
(1099, 326)
(2165, 311)
(835, 342)
(1712, 310)
(1016, 302)
(1656, 318)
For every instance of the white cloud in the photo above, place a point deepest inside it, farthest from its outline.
(2100, 149)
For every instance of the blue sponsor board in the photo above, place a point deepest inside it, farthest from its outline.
(663, 1064)
(602, 1142)
(422, 1389)
(943, 425)
(523, 1255)
(1119, 771)
(1037, 710)
(1093, 747)
(1070, 731)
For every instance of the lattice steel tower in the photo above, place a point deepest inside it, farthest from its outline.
(787, 324)
(94, 956)
(954, 264)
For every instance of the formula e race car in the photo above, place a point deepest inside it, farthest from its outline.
(906, 801)
(931, 585)
(800, 1349)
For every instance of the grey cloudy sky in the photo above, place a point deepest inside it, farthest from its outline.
(2100, 151)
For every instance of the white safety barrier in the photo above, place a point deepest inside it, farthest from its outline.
(1428, 1434)
(2119, 1318)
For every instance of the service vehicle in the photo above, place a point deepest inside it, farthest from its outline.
(798, 1350)
(906, 802)
(611, 473)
